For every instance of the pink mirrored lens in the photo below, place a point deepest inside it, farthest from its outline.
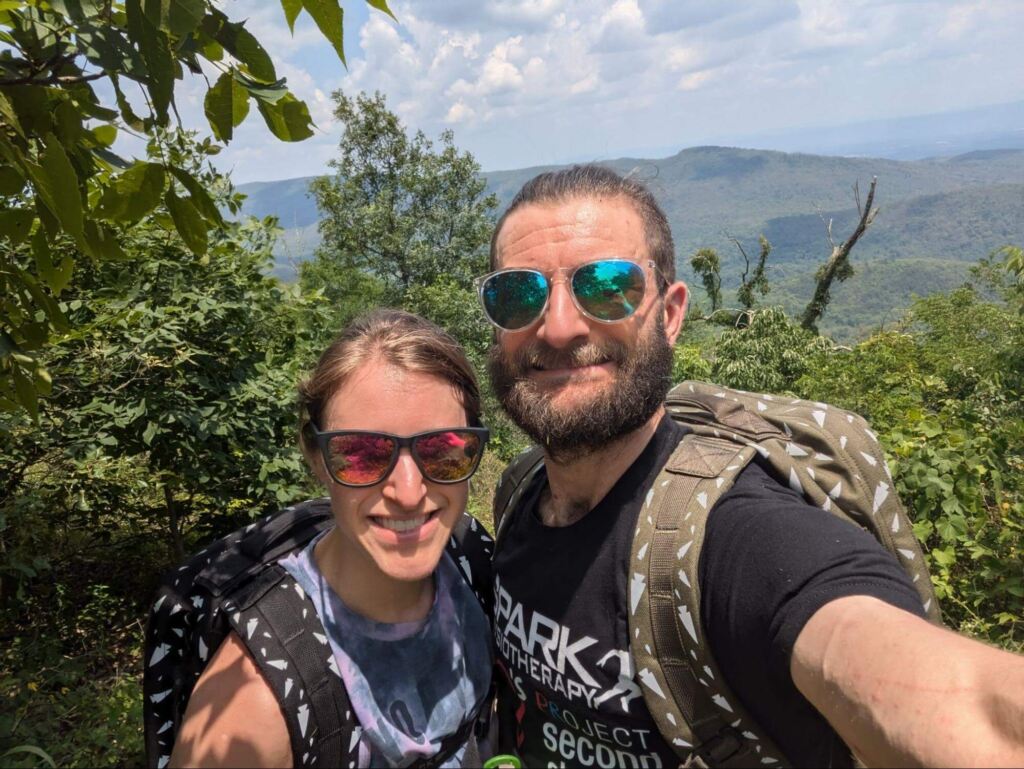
(359, 459)
(448, 456)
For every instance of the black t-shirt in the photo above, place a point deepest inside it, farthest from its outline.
(570, 694)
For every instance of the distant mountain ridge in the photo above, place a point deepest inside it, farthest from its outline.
(942, 210)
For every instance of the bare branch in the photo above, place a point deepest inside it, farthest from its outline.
(746, 259)
(828, 226)
(837, 267)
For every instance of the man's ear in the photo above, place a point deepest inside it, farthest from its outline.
(677, 297)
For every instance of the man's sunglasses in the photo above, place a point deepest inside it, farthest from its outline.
(365, 458)
(606, 290)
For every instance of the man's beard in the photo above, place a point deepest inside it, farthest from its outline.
(624, 405)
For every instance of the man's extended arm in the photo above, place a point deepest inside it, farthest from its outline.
(903, 692)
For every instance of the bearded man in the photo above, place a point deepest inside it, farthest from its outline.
(814, 625)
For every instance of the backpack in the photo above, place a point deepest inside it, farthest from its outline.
(236, 584)
(828, 455)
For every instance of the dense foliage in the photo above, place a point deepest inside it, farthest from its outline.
(59, 179)
(171, 417)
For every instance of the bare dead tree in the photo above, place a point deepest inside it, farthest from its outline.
(758, 281)
(838, 267)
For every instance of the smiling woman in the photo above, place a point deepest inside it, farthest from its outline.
(391, 428)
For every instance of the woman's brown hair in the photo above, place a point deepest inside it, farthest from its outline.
(399, 338)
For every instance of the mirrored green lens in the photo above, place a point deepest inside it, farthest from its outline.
(610, 289)
(514, 299)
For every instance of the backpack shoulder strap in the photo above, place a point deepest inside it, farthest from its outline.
(471, 547)
(279, 626)
(683, 690)
(514, 479)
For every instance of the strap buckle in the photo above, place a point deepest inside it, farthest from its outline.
(725, 745)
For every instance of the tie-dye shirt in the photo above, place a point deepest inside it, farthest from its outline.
(411, 684)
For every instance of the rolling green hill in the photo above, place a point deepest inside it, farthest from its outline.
(940, 214)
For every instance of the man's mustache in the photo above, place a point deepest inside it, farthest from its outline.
(543, 356)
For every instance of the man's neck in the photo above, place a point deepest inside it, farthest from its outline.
(575, 487)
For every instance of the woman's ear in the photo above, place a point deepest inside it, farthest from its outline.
(314, 461)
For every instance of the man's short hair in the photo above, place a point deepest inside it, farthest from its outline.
(593, 181)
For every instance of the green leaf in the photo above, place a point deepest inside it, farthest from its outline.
(149, 433)
(25, 391)
(156, 53)
(54, 276)
(268, 92)
(127, 113)
(328, 17)
(381, 5)
(292, 8)
(16, 223)
(178, 17)
(11, 180)
(133, 193)
(187, 221)
(44, 302)
(200, 197)
(105, 46)
(77, 10)
(57, 183)
(33, 750)
(10, 115)
(240, 43)
(227, 104)
(111, 159)
(105, 135)
(103, 242)
(288, 119)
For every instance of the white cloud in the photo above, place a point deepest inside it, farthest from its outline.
(534, 81)
(459, 113)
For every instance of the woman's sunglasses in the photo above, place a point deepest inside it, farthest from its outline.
(606, 290)
(364, 457)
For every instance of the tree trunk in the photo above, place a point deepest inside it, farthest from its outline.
(838, 265)
(174, 525)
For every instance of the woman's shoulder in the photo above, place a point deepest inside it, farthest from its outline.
(233, 717)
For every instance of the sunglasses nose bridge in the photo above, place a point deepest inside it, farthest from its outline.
(406, 484)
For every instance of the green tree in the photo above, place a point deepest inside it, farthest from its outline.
(173, 399)
(397, 208)
(769, 354)
(944, 394)
(406, 223)
(61, 185)
(706, 264)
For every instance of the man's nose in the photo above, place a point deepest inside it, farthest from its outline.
(405, 486)
(562, 322)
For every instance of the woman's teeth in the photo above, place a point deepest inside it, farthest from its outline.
(402, 524)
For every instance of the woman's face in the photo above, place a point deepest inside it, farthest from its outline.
(388, 399)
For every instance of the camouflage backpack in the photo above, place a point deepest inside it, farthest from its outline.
(828, 455)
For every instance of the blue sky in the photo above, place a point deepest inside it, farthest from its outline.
(548, 81)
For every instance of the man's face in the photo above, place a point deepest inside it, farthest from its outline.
(573, 383)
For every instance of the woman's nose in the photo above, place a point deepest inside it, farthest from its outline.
(406, 485)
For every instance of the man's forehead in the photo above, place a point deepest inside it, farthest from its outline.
(578, 226)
